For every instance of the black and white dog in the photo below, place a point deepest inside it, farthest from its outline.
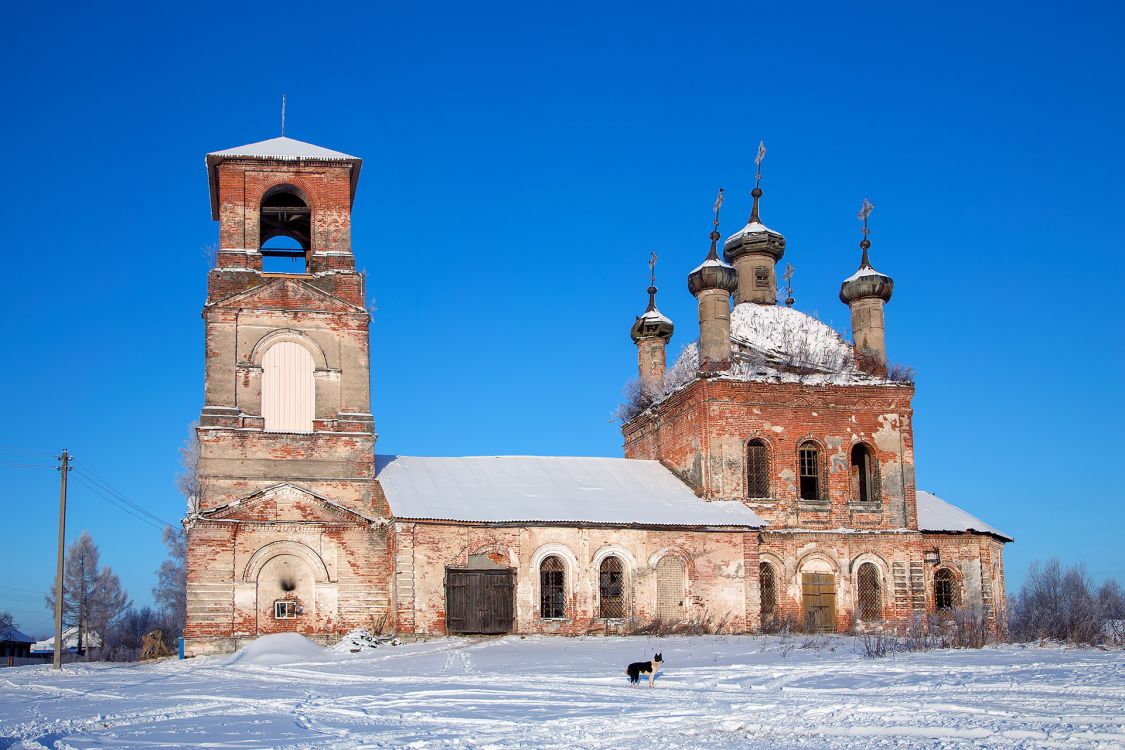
(637, 668)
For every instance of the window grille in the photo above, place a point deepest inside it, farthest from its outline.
(285, 609)
(946, 592)
(767, 583)
(757, 469)
(612, 588)
(870, 597)
(865, 478)
(810, 472)
(552, 588)
(761, 277)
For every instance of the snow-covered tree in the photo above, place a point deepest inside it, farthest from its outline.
(92, 594)
(187, 480)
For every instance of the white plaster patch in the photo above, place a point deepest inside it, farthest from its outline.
(887, 436)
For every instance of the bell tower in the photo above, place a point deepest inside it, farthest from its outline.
(286, 435)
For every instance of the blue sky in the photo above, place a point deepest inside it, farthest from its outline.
(520, 164)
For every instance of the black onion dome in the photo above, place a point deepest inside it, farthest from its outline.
(866, 282)
(712, 273)
(652, 323)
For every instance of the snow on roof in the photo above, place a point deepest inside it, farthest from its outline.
(711, 262)
(863, 271)
(549, 489)
(753, 227)
(935, 514)
(283, 148)
(13, 635)
(69, 641)
(655, 315)
(773, 342)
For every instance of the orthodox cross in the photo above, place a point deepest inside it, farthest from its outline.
(758, 161)
(652, 269)
(283, 115)
(718, 205)
(788, 276)
(863, 214)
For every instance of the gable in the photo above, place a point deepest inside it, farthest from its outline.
(287, 294)
(285, 503)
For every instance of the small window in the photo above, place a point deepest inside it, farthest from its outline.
(864, 482)
(761, 277)
(552, 588)
(810, 471)
(767, 582)
(870, 596)
(946, 592)
(757, 469)
(285, 609)
(611, 588)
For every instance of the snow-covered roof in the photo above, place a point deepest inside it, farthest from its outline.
(777, 343)
(281, 148)
(863, 271)
(655, 315)
(712, 262)
(753, 227)
(935, 514)
(549, 489)
(69, 641)
(289, 149)
(13, 635)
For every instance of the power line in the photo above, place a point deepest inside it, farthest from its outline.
(97, 491)
(7, 465)
(105, 487)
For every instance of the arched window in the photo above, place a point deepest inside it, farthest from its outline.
(809, 459)
(284, 231)
(552, 588)
(670, 589)
(865, 478)
(870, 596)
(611, 588)
(767, 583)
(288, 390)
(757, 469)
(947, 594)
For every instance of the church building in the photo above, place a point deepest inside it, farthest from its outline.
(768, 473)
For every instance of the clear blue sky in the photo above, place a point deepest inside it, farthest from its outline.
(520, 164)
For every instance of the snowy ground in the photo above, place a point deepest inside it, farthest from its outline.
(715, 692)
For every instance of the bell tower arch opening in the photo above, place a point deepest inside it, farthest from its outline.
(285, 230)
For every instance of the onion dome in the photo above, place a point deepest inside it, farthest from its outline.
(754, 238)
(653, 323)
(713, 273)
(866, 282)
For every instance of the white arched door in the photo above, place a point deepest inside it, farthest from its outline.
(288, 390)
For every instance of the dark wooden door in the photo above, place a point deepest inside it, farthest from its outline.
(480, 601)
(819, 594)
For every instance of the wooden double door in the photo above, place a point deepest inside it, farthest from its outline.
(818, 593)
(480, 601)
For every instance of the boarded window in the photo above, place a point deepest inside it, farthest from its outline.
(947, 594)
(552, 588)
(864, 476)
(757, 469)
(761, 277)
(767, 583)
(288, 389)
(870, 596)
(809, 459)
(670, 589)
(611, 588)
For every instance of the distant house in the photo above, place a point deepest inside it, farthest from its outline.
(14, 643)
(69, 642)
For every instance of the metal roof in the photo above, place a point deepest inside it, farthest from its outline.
(935, 514)
(550, 489)
(279, 149)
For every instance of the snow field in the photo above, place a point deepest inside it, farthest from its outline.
(541, 692)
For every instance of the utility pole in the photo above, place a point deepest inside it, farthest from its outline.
(64, 469)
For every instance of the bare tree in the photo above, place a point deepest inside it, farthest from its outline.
(92, 595)
(1060, 604)
(170, 592)
(187, 479)
(6, 623)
